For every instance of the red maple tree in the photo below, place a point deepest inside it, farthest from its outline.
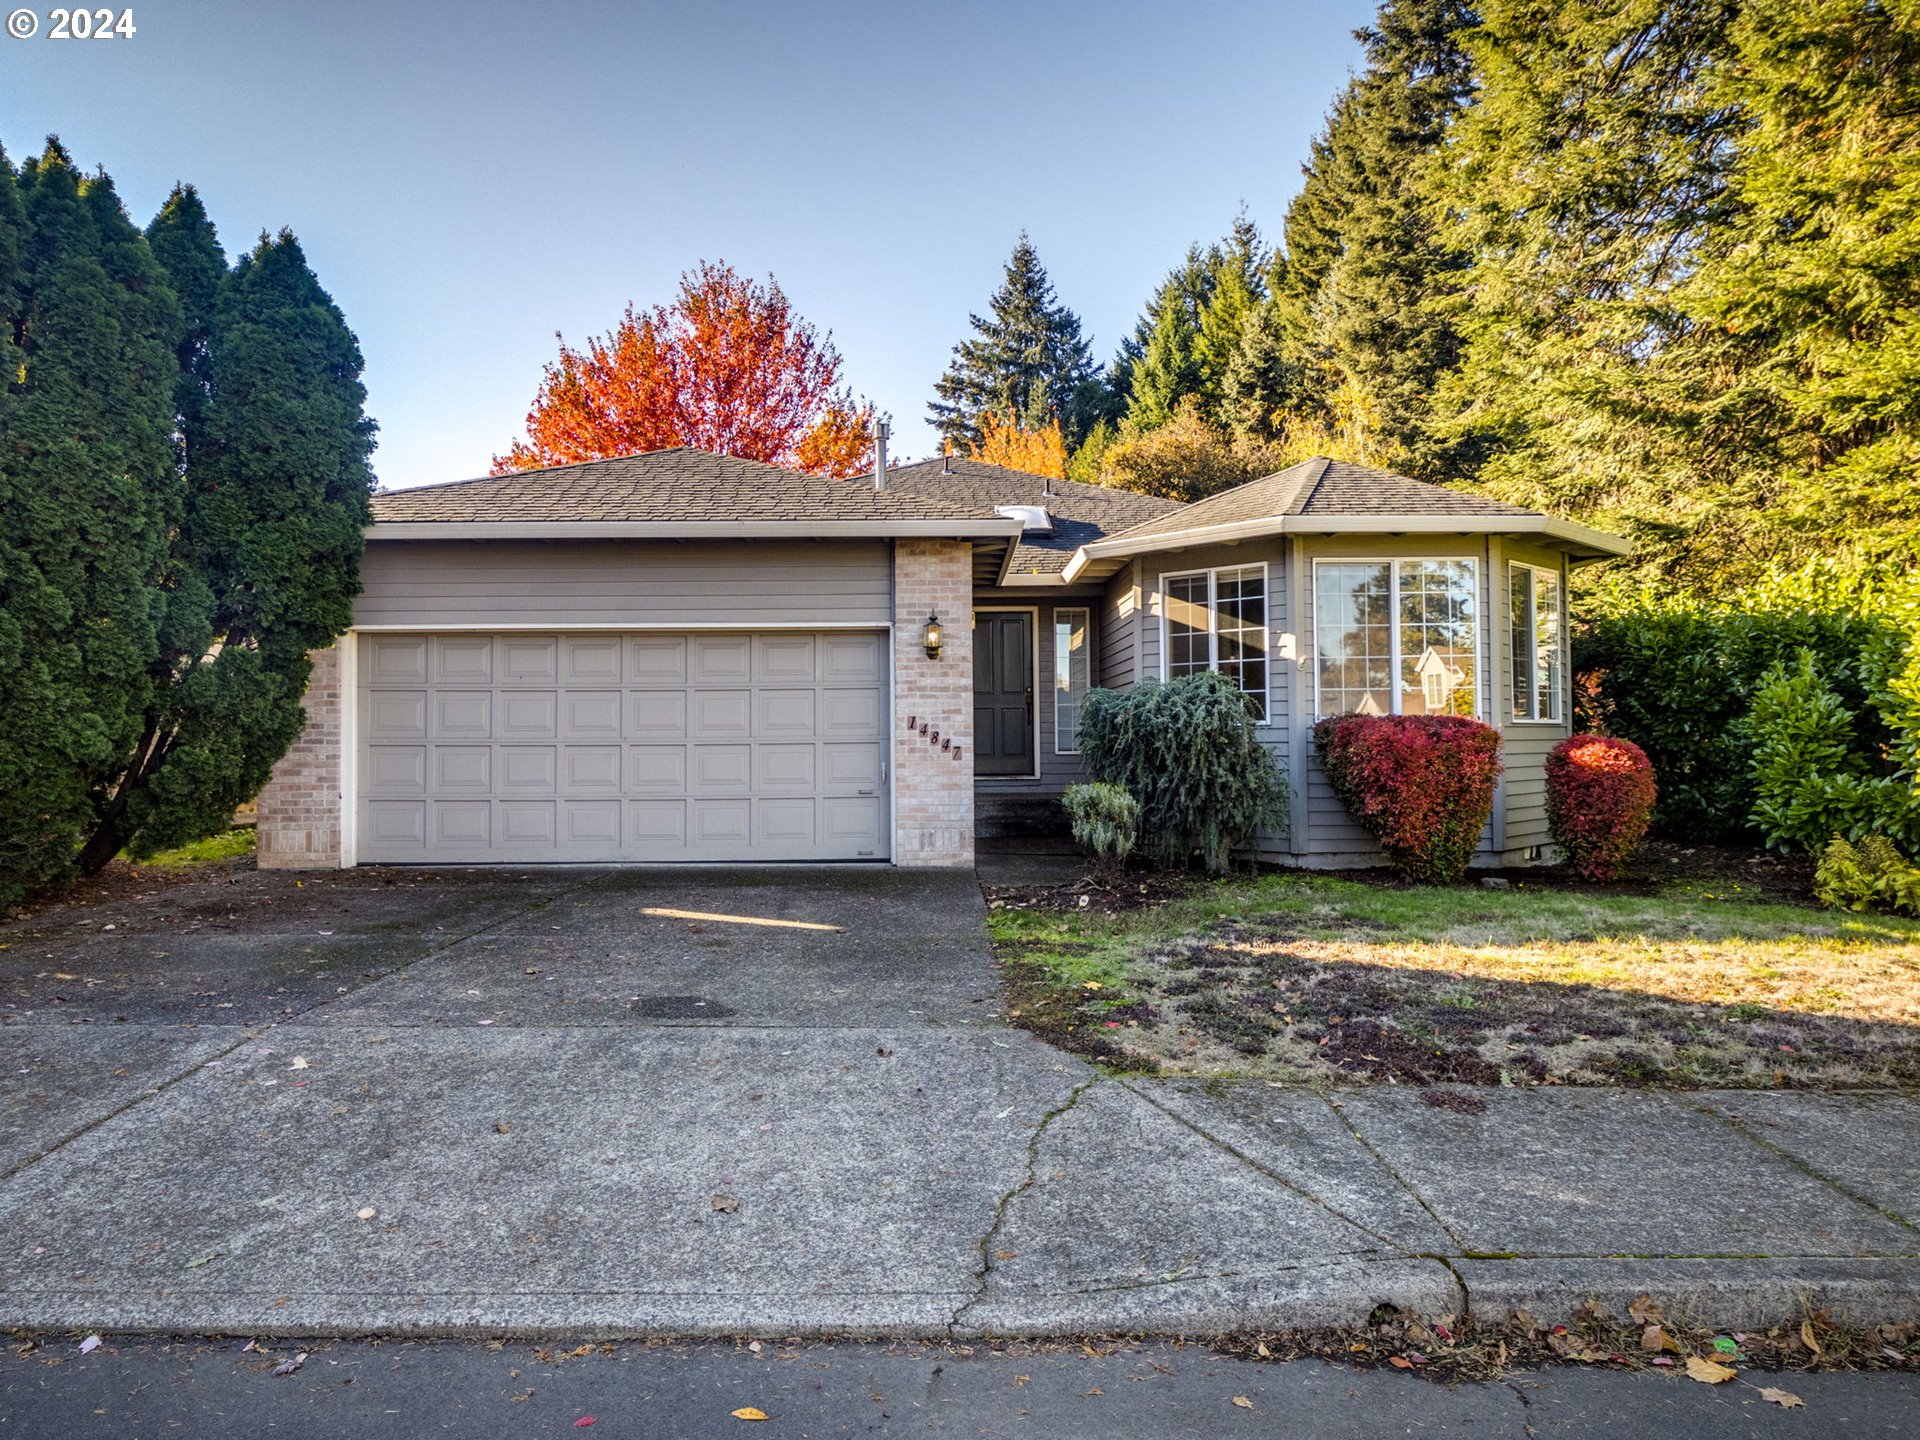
(726, 367)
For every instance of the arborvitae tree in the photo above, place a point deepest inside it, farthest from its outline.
(89, 493)
(183, 242)
(1370, 285)
(1821, 259)
(266, 564)
(1588, 180)
(1028, 359)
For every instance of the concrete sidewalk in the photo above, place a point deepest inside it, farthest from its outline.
(563, 1107)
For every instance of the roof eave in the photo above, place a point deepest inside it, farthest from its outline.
(945, 529)
(1103, 557)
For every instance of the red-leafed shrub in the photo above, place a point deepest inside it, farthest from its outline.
(1600, 796)
(1421, 785)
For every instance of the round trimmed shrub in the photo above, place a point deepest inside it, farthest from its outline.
(1600, 796)
(1106, 823)
(1421, 785)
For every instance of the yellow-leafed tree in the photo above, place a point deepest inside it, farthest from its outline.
(1003, 441)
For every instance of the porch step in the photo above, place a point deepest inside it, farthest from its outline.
(997, 817)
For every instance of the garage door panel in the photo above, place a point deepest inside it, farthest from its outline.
(396, 659)
(721, 660)
(721, 769)
(590, 714)
(592, 769)
(657, 715)
(789, 769)
(722, 712)
(598, 748)
(463, 715)
(530, 661)
(463, 769)
(594, 661)
(466, 824)
(397, 715)
(529, 715)
(460, 660)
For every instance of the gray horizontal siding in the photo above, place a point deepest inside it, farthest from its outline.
(440, 583)
(1119, 632)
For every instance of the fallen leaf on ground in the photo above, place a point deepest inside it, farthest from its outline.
(747, 1412)
(288, 1366)
(1655, 1338)
(1243, 1402)
(1806, 1336)
(1786, 1399)
(90, 1344)
(299, 1062)
(1643, 1310)
(1399, 1362)
(202, 1259)
(366, 1212)
(1708, 1373)
(725, 1204)
(583, 1422)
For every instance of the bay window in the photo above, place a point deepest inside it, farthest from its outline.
(1072, 638)
(1396, 637)
(1535, 603)
(1217, 620)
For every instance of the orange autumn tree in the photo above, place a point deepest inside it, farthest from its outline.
(1006, 442)
(726, 367)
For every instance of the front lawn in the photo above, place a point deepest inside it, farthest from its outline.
(1299, 977)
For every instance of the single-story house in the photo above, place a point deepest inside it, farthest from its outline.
(686, 656)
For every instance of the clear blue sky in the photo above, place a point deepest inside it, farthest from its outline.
(469, 178)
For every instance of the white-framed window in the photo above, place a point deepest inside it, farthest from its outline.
(1536, 618)
(1217, 620)
(1072, 675)
(1396, 637)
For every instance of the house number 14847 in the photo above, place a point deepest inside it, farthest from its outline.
(89, 25)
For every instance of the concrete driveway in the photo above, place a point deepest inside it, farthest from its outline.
(781, 1101)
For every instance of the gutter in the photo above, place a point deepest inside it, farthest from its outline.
(995, 528)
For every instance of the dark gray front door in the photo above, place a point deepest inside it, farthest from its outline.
(1003, 693)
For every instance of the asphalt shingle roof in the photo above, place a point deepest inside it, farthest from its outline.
(666, 485)
(1321, 487)
(1081, 513)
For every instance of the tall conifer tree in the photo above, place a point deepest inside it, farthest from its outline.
(1027, 359)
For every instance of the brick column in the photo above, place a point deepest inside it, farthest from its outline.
(299, 821)
(933, 779)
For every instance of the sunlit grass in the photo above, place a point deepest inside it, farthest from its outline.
(224, 846)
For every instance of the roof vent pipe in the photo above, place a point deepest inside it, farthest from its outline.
(946, 458)
(879, 453)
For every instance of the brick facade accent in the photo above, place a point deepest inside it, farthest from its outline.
(933, 781)
(299, 810)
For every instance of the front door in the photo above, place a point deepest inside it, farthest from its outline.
(1003, 693)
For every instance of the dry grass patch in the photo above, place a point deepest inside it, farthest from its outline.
(1298, 977)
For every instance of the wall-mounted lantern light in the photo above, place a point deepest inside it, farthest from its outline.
(933, 638)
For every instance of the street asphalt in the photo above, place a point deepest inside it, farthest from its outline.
(782, 1101)
(1156, 1390)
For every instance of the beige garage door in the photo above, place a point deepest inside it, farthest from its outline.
(584, 748)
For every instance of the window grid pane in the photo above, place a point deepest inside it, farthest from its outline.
(1520, 634)
(1070, 676)
(1353, 607)
(1240, 631)
(1189, 641)
(1546, 643)
(1436, 639)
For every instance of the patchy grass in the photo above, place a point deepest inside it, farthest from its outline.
(228, 845)
(1302, 976)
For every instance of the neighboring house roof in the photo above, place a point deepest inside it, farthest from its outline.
(1331, 497)
(1081, 514)
(674, 492)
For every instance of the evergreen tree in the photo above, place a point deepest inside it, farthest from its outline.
(1367, 299)
(266, 563)
(1820, 260)
(1027, 359)
(1186, 342)
(88, 495)
(1588, 180)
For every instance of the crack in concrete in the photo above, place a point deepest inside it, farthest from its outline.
(1739, 1126)
(1276, 1176)
(1459, 1280)
(983, 1275)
